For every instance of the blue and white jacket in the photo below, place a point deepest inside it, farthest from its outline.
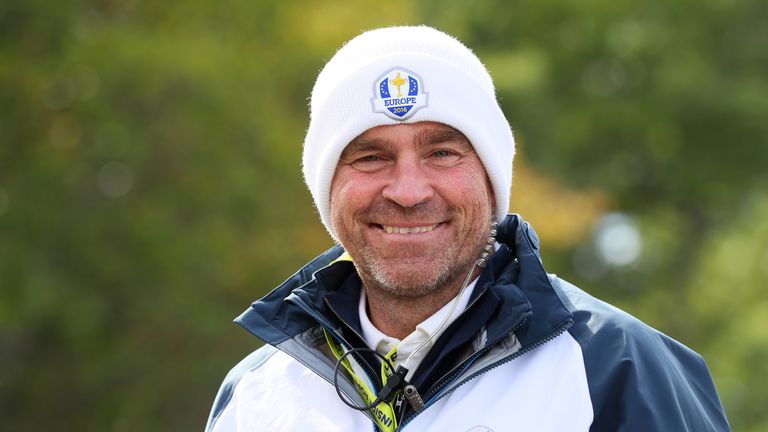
(530, 353)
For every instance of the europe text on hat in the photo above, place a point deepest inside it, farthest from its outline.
(404, 75)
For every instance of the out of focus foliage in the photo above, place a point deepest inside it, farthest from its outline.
(150, 185)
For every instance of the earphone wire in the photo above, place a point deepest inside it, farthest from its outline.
(482, 262)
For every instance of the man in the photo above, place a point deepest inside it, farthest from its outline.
(434, 313)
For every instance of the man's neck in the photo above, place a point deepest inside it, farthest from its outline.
(398, 316)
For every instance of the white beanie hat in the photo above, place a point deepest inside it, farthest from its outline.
(404, 75)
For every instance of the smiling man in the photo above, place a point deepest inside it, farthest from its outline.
(412, 205)
(434, 312)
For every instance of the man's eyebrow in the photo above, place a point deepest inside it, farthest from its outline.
(439, 135)
(427, 136)
(363, 144)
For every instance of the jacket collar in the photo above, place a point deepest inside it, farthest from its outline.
(524, 299)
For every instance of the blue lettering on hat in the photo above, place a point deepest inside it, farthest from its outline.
(398, 94)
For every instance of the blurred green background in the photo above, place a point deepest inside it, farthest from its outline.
(150, 185)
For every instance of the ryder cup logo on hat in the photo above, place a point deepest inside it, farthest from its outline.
(398, 93)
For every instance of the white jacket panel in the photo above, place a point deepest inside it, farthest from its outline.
(543, 390)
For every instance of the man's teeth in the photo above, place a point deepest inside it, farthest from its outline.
(408, 230)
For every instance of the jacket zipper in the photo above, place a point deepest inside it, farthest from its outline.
(328, 327)
(374, 382)
(451, 376)
(355, 332)
(454, 372)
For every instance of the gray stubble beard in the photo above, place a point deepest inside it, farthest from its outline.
(375, 275)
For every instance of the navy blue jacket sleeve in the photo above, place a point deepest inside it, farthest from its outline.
(640, 379)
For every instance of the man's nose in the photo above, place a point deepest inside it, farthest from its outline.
(409, 185)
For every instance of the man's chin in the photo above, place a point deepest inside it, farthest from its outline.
(410, 280)
(411, 266)
(408, 289)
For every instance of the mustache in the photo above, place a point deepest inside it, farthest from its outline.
(382, 210)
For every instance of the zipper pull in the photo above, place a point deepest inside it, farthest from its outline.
(400, 408)
(410, 392)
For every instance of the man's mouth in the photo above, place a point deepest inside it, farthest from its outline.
(391, 229)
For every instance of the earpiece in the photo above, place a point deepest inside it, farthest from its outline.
(483, 261)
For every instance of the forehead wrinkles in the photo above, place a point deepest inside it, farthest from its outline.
(425, 136)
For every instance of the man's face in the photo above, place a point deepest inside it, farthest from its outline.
(412, 205)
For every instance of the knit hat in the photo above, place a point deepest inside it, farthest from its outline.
(404, 75)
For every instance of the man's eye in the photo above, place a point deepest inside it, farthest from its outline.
(444, 157)
(369, 158)
(368, 162)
